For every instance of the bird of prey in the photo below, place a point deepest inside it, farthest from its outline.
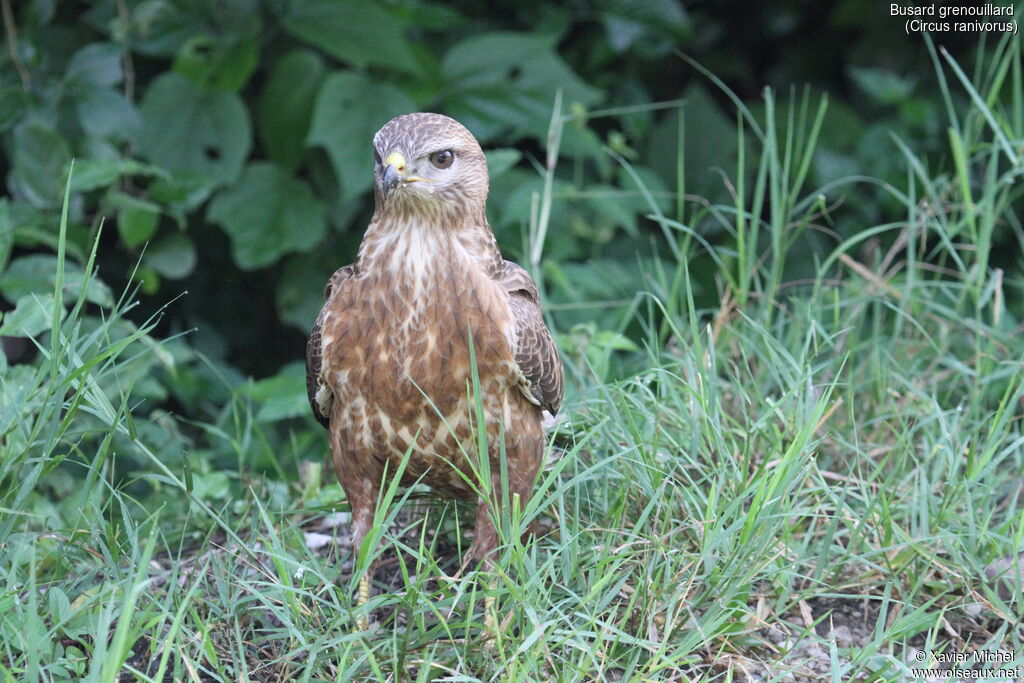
(388, 363)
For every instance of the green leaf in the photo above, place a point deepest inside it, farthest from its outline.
(609, 208)
(181, 192)
(299, 294)
(501, 160)
(354, 31)
(32, 316)
(105, 113)
(350, 109)
(35, 274)
(91, 174)
(148, 279)
(40, 158)
(60, 606)
(211, 485)
(136, 224)
(210, 63)
(598, 280)
(173, 256)
(643, 24)
(7, 229)
(13, 103)
(96, 65)
(883, 86)
(504, 80)
(268, 213)
(285, 106)
(709, 136)
(189, 129)
(283, 395)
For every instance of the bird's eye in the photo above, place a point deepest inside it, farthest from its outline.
(442, 159)
(376, 157)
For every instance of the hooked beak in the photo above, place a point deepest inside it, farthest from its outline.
(389, 180)
(394, 174)
(394, 169)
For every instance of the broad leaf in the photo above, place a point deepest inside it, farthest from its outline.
(884, 87)
(172, 255)
(105, 113)
(40, 158)
(283, 395)
(268, 213)
(7, 228)
(350, 109)
(165, 26)
(180, 193)
(188, 129)
(500, 80)
(137, 218)
(91, 174)
(501, 160)
(96, 65)
(647, 27)
(32, 315)
(354, 31)
(213, 64)
(285, 107)
(710, 138)
(299, 294)
(13, 103)
(35, 274)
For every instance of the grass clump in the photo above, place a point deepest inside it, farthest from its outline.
(816, 477)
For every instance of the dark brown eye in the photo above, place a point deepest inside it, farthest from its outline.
(376, 157)
(442, 159)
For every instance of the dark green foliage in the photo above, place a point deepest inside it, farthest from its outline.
(201, 89)
(226, 146)
(254, 117)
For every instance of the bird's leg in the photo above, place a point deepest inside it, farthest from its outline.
(362, 519)
(361, 478)
(485, 540)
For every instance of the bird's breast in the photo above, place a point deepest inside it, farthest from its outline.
(401, 344)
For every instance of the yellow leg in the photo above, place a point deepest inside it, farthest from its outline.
(362, 599)
(490, 623)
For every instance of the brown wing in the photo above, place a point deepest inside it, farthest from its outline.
(535, 351)
(313, 345)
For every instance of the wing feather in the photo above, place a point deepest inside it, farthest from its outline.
(536, 353)
(313, 360)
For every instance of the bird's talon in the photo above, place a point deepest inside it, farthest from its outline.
(363, 597)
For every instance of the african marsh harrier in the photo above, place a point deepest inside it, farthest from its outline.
(388, 359)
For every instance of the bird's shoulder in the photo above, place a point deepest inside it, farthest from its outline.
(513, 278)
(314, 360)
(340, 276)
(534, 349)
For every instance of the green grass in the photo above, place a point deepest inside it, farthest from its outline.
(847, 442)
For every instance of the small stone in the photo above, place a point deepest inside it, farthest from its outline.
(842, 636)
(1010, 572)
(315, 540)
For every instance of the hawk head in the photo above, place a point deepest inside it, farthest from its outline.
(428, 163)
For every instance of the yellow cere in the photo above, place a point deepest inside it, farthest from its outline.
(397, 160)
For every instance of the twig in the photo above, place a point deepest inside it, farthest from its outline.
(12, 43)
(129, 69)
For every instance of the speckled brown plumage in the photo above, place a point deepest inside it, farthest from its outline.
(388, 360)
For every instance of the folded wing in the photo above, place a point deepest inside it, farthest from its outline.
(535, 350)
(320, 396)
